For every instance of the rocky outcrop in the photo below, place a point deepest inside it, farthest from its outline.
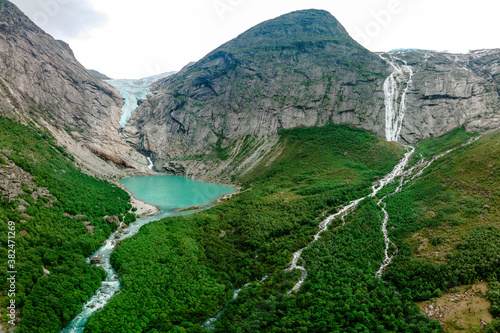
(450, 91)
(303, 69)
(112, 219)
(175, 167)
(99, 75)
(241, 157)
(43, 85)
(96, 260)
(12, 179)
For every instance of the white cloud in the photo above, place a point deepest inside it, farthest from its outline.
(141, 38)
(63, 19)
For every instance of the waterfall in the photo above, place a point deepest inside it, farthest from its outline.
(405, 178)
(150, 166)
(209, 325)
(395, 89)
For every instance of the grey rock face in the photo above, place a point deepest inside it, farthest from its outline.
(303, 69)
(41, 80)
(100, 75)
(175, 167)
(450, 91)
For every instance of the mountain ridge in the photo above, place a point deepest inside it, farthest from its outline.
(237, 91)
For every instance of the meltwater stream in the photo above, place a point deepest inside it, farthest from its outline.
(396, 87)
(169, 193)
(323, 226)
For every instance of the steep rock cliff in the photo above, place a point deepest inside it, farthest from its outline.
(449, 91)
(303, 69)
(41, 83)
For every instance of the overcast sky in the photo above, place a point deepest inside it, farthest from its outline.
(134, 39)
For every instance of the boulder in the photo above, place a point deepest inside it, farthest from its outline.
(96, 259)
(175, 167)
(112, 219)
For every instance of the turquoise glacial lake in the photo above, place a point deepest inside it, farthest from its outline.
(174, 192)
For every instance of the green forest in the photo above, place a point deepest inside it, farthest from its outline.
(180, 271)
(51, 231)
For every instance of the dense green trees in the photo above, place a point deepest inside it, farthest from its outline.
(206, 256)
(50, 236)
(254, 234)
(341, 292)
(451, 205)
(178, 272)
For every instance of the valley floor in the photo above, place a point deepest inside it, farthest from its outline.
(179, 272)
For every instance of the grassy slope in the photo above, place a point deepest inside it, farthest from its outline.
(50, 237)
(446, 233)
(253, 235)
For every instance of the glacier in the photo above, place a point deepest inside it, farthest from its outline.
(133, 91)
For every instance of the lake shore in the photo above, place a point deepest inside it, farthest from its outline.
(143, 208)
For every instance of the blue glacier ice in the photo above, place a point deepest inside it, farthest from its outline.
(132, 91)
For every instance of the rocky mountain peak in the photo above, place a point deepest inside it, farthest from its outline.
(13, 19)
(301, 69)
(289, 30)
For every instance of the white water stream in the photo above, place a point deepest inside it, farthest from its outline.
(209, 324)
(395, 89)
(110, 286)
(398, 171)
(323, 226)
(150, 166)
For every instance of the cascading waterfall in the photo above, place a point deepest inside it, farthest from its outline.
(150, 166)
(405, 177)
(395, 105)
(209, 324)
(395, 89)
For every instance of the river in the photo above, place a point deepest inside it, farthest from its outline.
(168, 193)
